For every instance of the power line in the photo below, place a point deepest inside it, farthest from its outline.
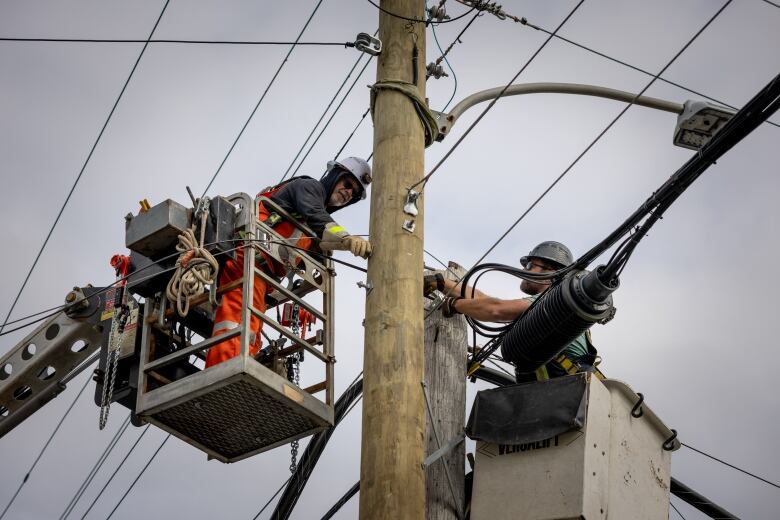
(601, 134)
(424, 180)
(139, 476)
(94, 501)
(327, 123)
(772, 3)
(272, 497)
(731, 465)
(56, 429)
(84, 166)
(314, 128)
(582, 154)
(91, 475)
(251, 115)
(408, 19)
(444, 55)
(200, 42)
(349, 137)
(634, 67)
(676, 510)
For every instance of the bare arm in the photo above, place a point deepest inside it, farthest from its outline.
(480, 306)
(451, 288)
(488, 308)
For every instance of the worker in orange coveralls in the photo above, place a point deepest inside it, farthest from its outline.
(311, 202)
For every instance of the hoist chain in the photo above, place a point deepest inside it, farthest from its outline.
(112, 360)
(296, 366)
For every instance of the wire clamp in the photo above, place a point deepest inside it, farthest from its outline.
(437, 13)
(435, 70)
(368, 286)
(368, 44)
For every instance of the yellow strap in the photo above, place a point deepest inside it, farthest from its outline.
(473, 369)
(541, 373)
(336, 229)
(566, 364)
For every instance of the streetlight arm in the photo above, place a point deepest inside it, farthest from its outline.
(447, 120)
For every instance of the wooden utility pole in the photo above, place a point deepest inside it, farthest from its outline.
(445, 380)
(392, 483)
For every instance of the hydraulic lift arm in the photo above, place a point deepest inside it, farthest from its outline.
(41, 365)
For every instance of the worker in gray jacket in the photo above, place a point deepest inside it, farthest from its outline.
(579, 356)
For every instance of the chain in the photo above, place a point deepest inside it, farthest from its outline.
(296, 361)
(112, 360)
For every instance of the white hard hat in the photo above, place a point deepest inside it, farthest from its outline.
(359, 168)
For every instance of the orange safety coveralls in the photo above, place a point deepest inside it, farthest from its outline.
(228, 315)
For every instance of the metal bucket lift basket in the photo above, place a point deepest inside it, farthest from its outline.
(240, 407)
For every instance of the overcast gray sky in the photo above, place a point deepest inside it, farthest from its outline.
(694, 328)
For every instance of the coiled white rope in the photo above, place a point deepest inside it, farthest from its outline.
(196, 268)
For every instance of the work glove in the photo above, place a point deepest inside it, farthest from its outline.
(448, 307)
(433, 282)
(336, 237)
(358, 246)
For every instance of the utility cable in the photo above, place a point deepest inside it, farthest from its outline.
(272, 497)
(601, 134)
(445, 52)
(60, 308)
(139, 476)
(38, 458)
(201, 42)
(349, 137)
(424, 180)
(634, 67)
(327, 123)
(262, 97)
(127, 455)
(408, 19)
(731, 465)
(346, 79)
(83, 167)
(676, 510)
(772, 3)
(98, 464)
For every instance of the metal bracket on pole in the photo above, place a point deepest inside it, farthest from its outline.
(444, 450)
(438, 455)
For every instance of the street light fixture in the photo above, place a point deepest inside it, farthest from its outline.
(697, 121)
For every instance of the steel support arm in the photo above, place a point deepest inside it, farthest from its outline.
(446, 121)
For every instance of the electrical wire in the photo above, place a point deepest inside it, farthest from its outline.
(417, 19)
(634, 67)
(272, 497)
(93, 472)
(83, 167)
(360, 122)
(40, 454)
(772, 3)
(314, 128)
(60, 308)
(600, 135)
(676, 510)
(262, 97)
(202, 42)
(146, 466)
(116, 470)
(327, 123)
(449, 66)
(424, 180)
(731, 465)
